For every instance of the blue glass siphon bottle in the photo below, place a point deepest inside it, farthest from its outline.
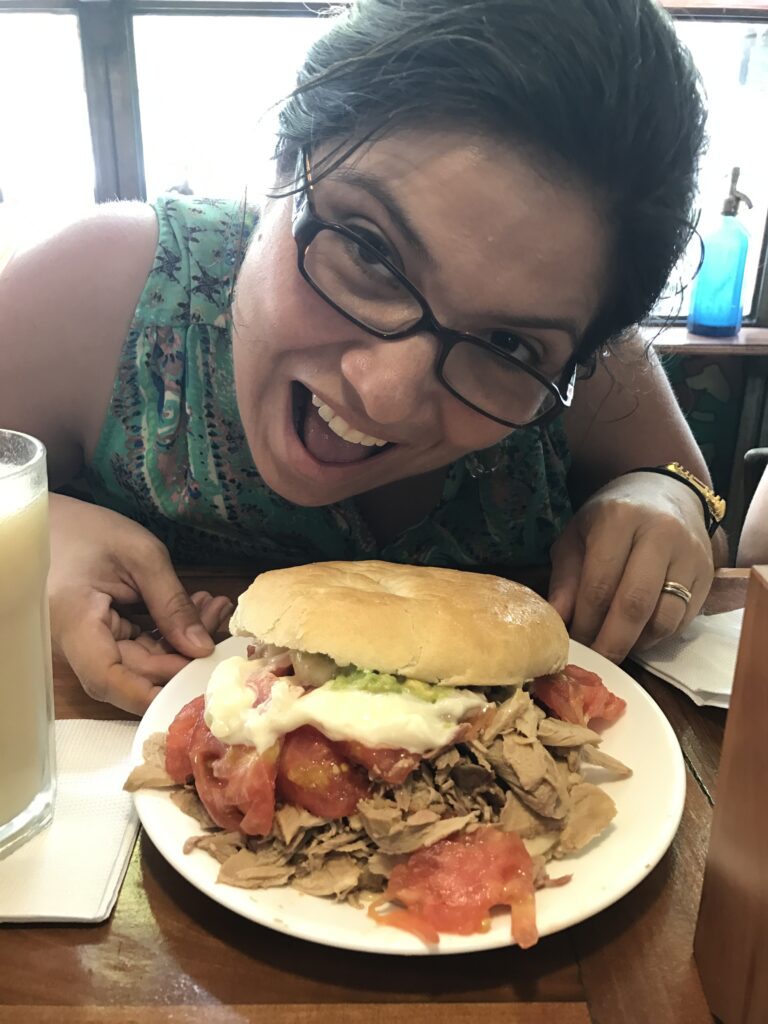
(716, 303)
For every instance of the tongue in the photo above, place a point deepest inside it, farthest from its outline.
(321, 442)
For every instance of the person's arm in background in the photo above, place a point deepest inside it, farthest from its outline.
(753, 545)
(632, 531)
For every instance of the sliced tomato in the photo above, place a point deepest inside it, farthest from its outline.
(406, 921)
(313, 774)
(235, 783)
(389, 764)
(579, 696)
(250, 785)
(177, 760)
(453, 885)
(205, 751)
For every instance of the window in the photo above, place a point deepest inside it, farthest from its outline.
(179, 95)
(206, 118)
(45, 141)
(732, 58)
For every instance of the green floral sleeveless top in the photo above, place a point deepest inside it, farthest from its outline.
(172, 453)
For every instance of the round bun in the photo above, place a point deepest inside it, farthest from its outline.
(438, 625)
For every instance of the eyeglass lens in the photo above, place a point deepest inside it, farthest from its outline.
(355, 280)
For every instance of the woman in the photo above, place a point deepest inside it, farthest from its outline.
(472, 200)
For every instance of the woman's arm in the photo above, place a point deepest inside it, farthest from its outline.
(632, 532)
(66, 304)
(626, 416)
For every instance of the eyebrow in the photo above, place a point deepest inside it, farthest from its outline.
(569, 327)
(381, 192)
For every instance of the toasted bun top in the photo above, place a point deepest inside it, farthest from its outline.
(438, 625)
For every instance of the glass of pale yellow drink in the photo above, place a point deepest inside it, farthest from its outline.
(27, 776)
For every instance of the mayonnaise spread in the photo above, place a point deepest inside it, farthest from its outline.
(375, 719)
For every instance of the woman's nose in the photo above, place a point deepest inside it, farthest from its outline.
(392, 379)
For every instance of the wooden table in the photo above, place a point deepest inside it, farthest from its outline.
(169, 954)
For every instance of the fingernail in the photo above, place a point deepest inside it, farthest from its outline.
(199, 636)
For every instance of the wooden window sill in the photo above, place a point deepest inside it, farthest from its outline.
(751, 341)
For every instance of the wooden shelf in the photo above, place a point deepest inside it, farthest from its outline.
(725, 6)
(751, 341)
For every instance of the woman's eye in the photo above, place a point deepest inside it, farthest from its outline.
(376, 243)
(512, 344)
(366, 263)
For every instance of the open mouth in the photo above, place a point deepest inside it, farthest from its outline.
(325, 435)
(300, 397)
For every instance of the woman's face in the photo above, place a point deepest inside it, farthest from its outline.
(490, 244)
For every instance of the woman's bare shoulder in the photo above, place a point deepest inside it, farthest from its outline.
(67, 297)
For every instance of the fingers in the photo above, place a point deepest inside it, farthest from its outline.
(672, 614)
(128, 690)
(86, 641)
(175, 614)
(158, 668)
(640, 611)
(149, 659)
(122, 628)
(699, 593)
(215, 612)
(567, 560)
(632, 539)
(605, 562)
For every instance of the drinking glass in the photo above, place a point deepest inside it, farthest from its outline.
(27, 773)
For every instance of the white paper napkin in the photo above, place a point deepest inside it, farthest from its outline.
(73, 870)
(701, 660)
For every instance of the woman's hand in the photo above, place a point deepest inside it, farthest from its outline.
(101, 561)
(611, 561)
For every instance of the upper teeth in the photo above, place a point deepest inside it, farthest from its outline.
(340, 426)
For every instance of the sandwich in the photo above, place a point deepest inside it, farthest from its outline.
(386, 740)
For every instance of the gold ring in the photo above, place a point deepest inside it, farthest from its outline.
(670, 587)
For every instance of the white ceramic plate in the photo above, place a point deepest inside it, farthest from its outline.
(649, 804)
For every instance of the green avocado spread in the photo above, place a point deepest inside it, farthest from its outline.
(382, 682)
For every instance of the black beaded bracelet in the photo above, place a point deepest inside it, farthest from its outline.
(709, 520)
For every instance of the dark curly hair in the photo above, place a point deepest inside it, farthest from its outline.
(599, 93)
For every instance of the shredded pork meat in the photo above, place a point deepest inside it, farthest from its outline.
(525, 773)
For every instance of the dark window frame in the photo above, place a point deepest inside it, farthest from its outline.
(112, 89)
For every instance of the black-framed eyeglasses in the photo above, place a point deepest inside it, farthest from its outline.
(354, 277)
